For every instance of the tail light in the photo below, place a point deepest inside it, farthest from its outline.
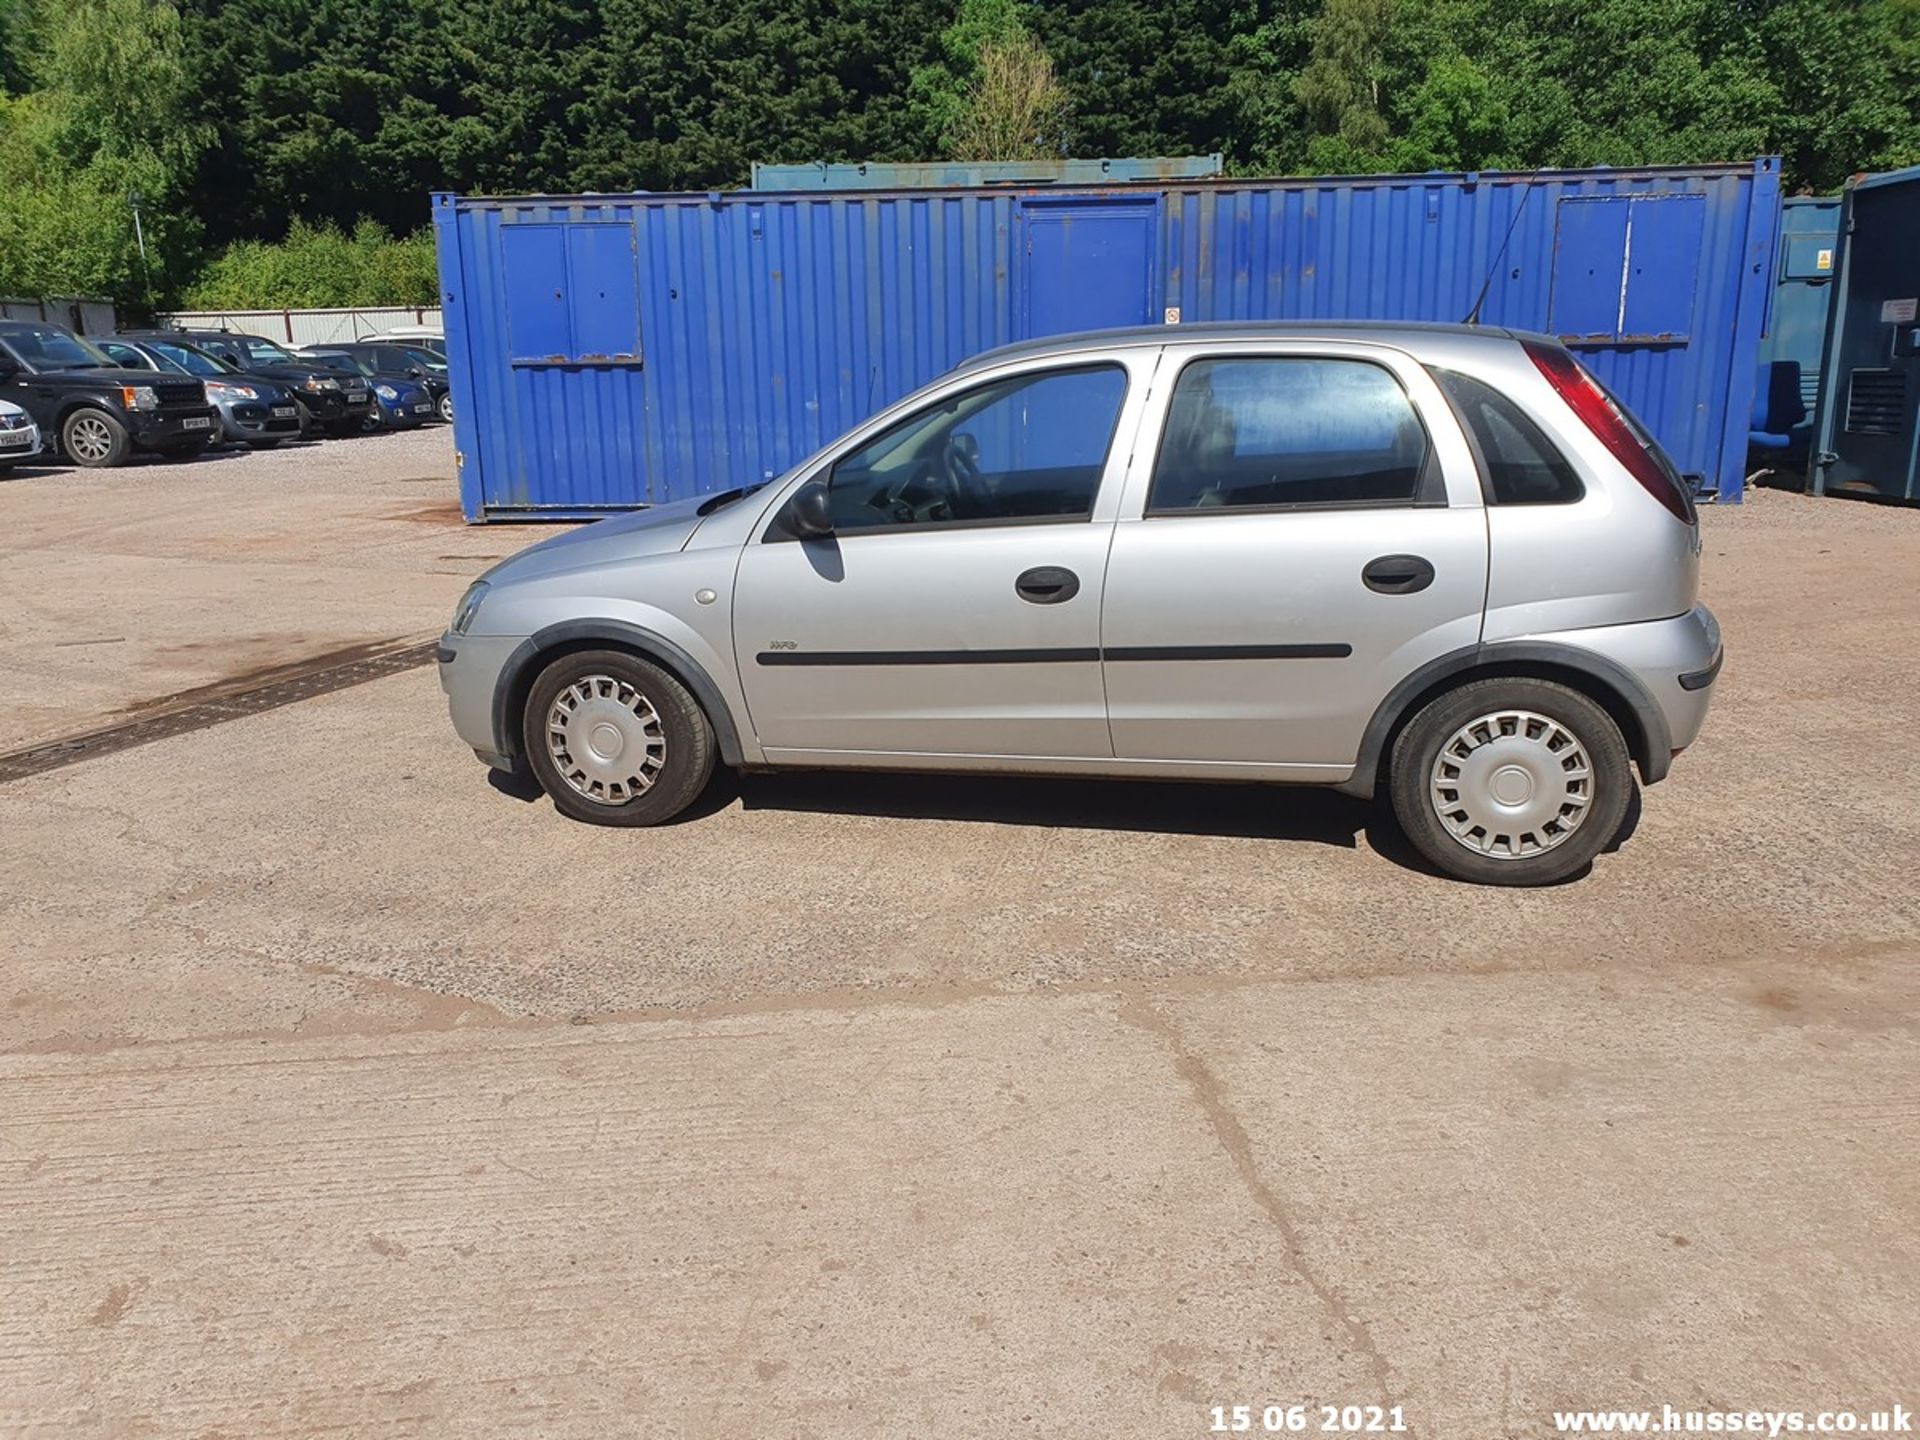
(1613, 428)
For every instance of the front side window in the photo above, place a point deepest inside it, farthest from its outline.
(264, 352)
(125, 356)
(1276, 432)
(194, 362)
(1029, 448)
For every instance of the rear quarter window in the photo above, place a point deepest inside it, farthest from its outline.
(1521, 465)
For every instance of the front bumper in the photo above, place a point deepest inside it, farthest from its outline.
(152, 429)
(254, 419)
(18, 445)
(470, 668)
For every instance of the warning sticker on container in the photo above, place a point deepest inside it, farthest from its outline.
(1173, 315)
(1899, 312)
(1823, 259)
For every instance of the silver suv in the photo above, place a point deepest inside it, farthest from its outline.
(1438, 560)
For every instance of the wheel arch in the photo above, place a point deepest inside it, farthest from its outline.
(542, 648)
(1607, 683)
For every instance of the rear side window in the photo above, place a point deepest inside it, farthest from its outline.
(1523, 467)
(1280, 432)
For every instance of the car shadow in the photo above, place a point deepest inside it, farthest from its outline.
(1250, 812)
(1303, 814)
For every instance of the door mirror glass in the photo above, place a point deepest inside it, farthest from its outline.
(809, 514)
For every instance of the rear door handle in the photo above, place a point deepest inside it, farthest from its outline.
(1047, 585)
(1398, 574)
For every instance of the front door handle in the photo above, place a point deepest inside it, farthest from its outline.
(1398, 574)
(1047, 585)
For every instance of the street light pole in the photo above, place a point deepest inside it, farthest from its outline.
(140, 239)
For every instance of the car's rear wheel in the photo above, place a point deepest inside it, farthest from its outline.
(94, 439)
(1511, 781)
(616, 740)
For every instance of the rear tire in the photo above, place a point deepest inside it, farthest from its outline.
(94, 439)
(1511, 781)
(616, 740)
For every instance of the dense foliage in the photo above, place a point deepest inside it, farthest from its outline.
(233, 119)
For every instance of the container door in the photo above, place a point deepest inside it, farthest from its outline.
(1089, 263)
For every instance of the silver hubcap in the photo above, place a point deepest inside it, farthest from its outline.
(1512, 784)
(89, 438)
(605, 739)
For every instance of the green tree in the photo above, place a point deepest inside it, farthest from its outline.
(1340, 87)
(1016, 108)
(105, 123)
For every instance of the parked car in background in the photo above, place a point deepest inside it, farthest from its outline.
(19, 436)
(398, 362)
(98, 413)
(426, 337)
(331, 402)
(1438, 560)
(398, 403)
(253, 410)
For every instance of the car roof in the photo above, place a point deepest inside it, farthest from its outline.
(1406, 334)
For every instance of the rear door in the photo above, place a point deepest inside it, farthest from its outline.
(955, 611)
(1302, 528)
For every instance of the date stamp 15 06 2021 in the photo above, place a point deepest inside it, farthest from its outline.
(1306, 1418)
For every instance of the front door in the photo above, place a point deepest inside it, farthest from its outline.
(1303, 530)
(956, 608)
(1089, 264)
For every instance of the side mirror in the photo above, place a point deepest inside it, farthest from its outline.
(809, 514)
(416, 373)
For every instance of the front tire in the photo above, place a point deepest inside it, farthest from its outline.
(94, 439)
(1511, 781)
(446, 407)
(616, 740)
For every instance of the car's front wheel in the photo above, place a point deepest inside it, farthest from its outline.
(1511, 781)
(95, 439)
(616, 740)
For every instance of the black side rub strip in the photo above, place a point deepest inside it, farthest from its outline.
(1230, 652)
(1085, 655)
(922, 657)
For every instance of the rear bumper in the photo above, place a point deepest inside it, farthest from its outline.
(1676, 661)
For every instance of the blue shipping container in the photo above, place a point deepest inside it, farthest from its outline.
(613, 351)
(1869, 423)
(1787, 389)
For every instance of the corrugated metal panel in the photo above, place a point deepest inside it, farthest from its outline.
(84, 317)
(1869, 422)
(952, 174)
(767, 324)
(307, 327)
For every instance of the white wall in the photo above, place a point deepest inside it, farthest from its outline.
(307, 327)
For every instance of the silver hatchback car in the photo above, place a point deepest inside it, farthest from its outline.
(1434, 559)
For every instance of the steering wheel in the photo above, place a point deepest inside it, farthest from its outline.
(966, 490)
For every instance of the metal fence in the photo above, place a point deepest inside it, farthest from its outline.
(83, 317)
(307, 327)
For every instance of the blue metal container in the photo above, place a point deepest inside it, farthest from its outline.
(1868, 430)
(1786, 391)
(954, 174)
(613, 351)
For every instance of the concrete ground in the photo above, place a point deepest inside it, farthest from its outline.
(344, 1093)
